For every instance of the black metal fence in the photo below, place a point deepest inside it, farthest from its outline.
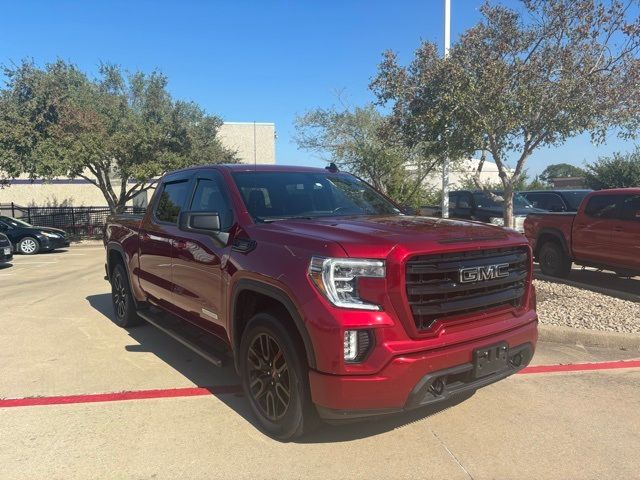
(78, 222)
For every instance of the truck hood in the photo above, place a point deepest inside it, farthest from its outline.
(375, 236)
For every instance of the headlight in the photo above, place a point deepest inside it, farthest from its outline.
(50, 235)
(337, 279)
(497, 221)
(518, 223)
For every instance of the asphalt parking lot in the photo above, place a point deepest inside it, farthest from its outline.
(180, 417)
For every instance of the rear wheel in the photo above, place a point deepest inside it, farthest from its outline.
(123, 304)
(29, 246)
(275, 378)
(553, 260)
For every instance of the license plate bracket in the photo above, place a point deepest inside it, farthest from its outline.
(7, 251)
(491, 359)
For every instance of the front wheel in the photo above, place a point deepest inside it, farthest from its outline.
(275, 378)
(553, 260)
(123, 304)
(29, 246)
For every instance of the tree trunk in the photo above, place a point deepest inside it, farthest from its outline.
(508, 205)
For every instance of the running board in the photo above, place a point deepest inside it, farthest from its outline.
(172, 328)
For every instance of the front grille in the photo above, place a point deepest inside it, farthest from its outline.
(435, 292)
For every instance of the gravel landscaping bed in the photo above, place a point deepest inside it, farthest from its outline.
(568, 306)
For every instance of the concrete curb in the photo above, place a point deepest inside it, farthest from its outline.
(605, 291)
(588, 338)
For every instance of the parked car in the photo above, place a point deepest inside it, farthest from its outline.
(487, 206)
(30, 240)
(556, 200)
(332, 302)
(6, 251)
(604, 233)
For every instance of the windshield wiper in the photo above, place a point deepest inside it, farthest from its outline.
(279, 219)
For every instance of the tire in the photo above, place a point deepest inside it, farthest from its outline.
(29, 246)
(553, 261)
(275, 378)
(124, 307)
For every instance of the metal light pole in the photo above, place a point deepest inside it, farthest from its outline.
(445, 164)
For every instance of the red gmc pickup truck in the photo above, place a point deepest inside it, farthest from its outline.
(331, 301)
(604, 233)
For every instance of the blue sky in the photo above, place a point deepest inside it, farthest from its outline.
(261, 61)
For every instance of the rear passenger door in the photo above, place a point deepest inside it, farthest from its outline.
(158, 233)
(197, 268)
(626, 233)
(592, 229)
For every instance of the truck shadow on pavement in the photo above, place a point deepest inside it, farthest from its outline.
(202, 373)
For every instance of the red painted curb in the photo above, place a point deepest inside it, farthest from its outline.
(226, 389)
(581, 367)
(119, 396)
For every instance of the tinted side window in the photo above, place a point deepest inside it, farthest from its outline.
(171, 201)
(602, 206)
(631, 207)
(211, 197)
(537, 199)
(554, 202)
(465, 200)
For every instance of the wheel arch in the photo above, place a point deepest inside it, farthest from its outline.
(274, 297)
(551, 234)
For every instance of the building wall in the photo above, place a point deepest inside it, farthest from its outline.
(462, 169)
(251, 141)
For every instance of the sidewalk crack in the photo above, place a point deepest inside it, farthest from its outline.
(451, 454)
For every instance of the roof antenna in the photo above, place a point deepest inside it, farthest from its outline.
(332, 167)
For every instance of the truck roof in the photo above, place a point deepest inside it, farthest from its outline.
(627, 190)
(247, 167)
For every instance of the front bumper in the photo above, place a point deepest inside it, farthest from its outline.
(5, 258)
(54, 243)
(406, 382)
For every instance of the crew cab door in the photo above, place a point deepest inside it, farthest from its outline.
(158, 232)
(592, 229)
(626, 233)
(199, 257)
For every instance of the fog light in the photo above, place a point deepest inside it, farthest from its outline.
(357, 344)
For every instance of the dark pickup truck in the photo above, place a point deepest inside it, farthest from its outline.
(331, 302)
(604, 233)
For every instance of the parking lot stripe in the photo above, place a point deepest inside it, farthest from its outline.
(231, 389)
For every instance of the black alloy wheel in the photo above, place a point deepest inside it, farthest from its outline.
(269, 380)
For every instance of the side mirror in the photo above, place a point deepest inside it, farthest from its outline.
(199, 222)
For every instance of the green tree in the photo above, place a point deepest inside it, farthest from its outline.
(118, 132)
(522, 79)
(557, 170)
(359, 141)
(617, 171)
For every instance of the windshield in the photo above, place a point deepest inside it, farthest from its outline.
(496, 200)
(271, 196)
(14, 222)
(574, 199)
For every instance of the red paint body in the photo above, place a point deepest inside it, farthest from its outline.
(190, 273)
(610, 241)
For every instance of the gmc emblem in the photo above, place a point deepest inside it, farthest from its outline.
(484, 272)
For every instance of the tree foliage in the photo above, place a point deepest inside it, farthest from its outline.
(559, 170)
(522, 79)
(617, 171)
(118, 131)
(359, 141)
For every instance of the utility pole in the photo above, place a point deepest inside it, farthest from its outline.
(445, 163)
